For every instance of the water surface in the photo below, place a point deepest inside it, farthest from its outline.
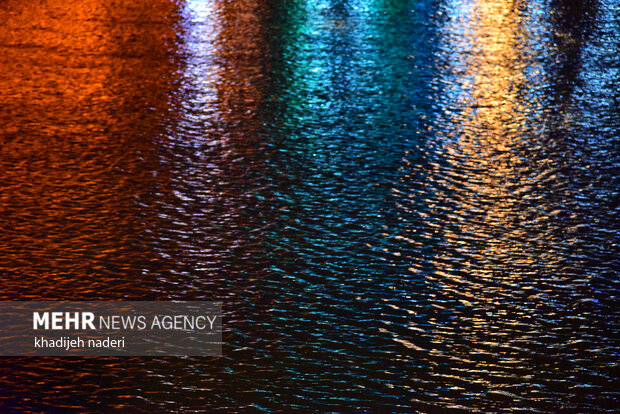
(404, 205)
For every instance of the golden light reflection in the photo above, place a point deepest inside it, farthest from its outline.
(87, 81)
(489, 199)
(488, 77)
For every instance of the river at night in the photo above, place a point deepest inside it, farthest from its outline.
(404, 206)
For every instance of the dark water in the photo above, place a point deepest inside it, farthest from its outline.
(404, 205)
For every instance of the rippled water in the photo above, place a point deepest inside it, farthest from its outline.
(404, 205)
